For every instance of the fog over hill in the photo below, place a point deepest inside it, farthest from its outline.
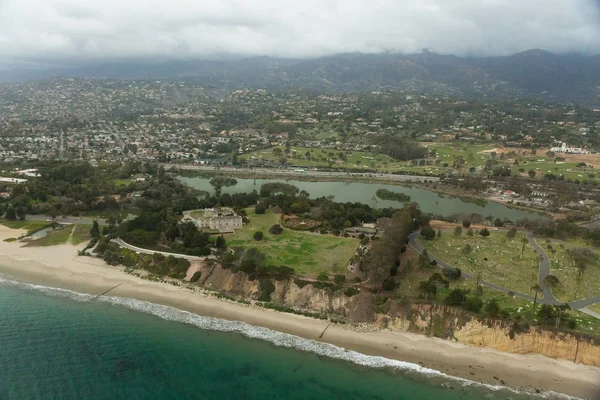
(536, 73)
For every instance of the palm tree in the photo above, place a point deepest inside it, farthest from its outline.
(524, 241)
(537, 288)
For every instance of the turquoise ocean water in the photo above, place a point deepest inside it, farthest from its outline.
(57, 344)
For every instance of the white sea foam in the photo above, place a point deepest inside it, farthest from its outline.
(277, 338)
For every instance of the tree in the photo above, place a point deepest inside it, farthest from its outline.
(427, 232)
(467, 249)
(551, 280)
(276, 229)
(221, 243)
(537, 289)
(258, 236)
(582, 257)
(95, 231)
(560, 312)
(457, 297)
(260, 209)
(428, 288)
(524, 242)
(457, 231)
(439, 233)
(484, 232)
(424, 260)
(10, 215)
(466, 224)
(511, 233)
(452, 273)
(469, 232)
(531, 173)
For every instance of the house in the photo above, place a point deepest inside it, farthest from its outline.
(356, 232)
(224, 220)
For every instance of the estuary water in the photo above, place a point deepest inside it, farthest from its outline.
(430, 202)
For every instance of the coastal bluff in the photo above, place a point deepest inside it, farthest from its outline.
(401, 316)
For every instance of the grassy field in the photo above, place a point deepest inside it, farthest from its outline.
(327, 158)
(53, 238)
(503, 266)
(306, 252)
(81, 234)
(447, 152)
(31, 226)
(562, 266)
(122, 182)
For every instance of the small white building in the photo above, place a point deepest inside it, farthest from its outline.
(564, 148)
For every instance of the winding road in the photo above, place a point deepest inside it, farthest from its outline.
(138, 250)
(544, 271)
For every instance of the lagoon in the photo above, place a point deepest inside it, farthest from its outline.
(429, 202)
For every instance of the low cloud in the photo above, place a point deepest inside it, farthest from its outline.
(94, 30)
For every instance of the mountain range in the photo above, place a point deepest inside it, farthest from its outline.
(534, 73)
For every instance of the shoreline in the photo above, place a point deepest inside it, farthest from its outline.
(60, 267)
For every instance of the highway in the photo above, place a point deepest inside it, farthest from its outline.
(290, 173)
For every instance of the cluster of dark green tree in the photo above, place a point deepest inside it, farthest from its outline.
(156, 263)
(74, 188)
(382, 262)
(385, 194)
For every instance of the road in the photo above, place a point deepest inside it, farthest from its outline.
(68, 220)
(307, 172)
(138, 250)
(544, 271)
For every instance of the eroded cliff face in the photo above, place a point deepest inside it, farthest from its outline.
(454, 324)
(439, 321)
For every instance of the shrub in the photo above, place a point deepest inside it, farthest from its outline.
(196, 276)
(492, 308)
(258, 236)
(260, 209)
(469, 232)
(276, 229)
(456, 297)
(389, 284)
(484, 232)
(511, 233)
(339, 279)
(323, 276)
(452, 273)
(428, 233)
(473, 304)
(466, 224)
(467, 249)
(457, 231)
(349, 292)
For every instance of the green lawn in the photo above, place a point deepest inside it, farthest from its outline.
(53, 238)
(562, 266)
(122, 182)
(447, 152)
(503, 266)
(306, 252)
(31, 226)
(327, 158)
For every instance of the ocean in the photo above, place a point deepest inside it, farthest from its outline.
(58, 344)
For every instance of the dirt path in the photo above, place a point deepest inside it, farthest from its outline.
(70, 238)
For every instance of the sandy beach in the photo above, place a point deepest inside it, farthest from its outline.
(59, 266)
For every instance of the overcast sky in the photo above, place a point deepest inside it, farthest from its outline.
(92, 30)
